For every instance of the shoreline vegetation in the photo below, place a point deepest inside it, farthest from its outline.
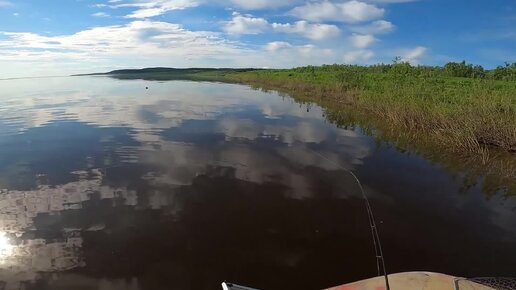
(460, 116)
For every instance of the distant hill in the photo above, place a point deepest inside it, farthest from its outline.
(153, 70)
(164, 73)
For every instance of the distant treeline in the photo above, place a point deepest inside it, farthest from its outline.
(166, 70)
(506, 72)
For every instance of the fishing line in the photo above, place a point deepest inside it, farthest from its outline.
(380, 261)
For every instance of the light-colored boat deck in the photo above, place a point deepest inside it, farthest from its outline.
(415, 281)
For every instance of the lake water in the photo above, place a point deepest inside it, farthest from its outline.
(106, 185)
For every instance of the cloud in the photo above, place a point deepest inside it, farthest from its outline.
(413, 55)
(312, 31)
(100, 15)
(261, 4)
(376, 27)
(349, 12)
(277, 45)
(5, 3)
(99, 5)
(246, 24)
(358, 56)
(362, 40)
(135, 38)
(152, 8)
(284, 48)
(287, 50)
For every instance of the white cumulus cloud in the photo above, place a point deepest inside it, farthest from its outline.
(277, 45)
(350, 12)
(358, 56)
(308, 53)
(152, 8)
(362, 40)
(312, 31)
(261, 4)
(100, 14)
(376, 27)
(413, 55)
(246, 24)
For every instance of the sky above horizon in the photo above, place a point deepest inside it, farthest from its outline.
(60, 37)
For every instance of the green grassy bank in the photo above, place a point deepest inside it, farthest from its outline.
(465, 115)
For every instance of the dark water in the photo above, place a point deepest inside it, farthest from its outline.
(105, 185)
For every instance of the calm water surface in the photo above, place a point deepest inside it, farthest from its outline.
(105, 185)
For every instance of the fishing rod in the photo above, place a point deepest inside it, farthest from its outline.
(380, 260)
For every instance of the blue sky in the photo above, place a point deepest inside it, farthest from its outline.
(75, 36)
